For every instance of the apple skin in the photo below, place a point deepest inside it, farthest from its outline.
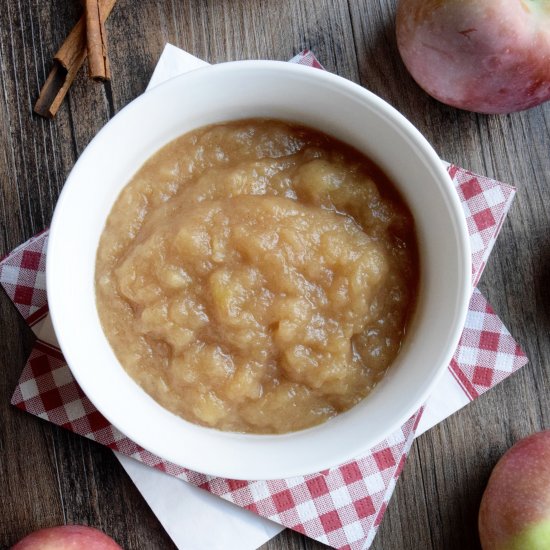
(67, 537)
(515, 507)
(487, 56)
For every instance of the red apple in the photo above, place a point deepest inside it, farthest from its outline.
(488, 56)
(515, 508)
(67, 537)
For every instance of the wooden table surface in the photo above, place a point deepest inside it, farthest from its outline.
(49, 476)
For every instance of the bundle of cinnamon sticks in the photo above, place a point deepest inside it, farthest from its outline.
(86, 39)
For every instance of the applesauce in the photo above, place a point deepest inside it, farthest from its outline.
(257, 276)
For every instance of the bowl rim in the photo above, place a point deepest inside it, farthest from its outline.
(422, 149)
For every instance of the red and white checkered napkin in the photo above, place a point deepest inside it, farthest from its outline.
(341, 507)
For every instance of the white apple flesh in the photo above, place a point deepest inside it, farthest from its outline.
(487, 56)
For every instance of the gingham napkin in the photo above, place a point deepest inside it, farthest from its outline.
(343, 506)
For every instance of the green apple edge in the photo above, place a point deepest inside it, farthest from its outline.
(534, 537)
(538, 6)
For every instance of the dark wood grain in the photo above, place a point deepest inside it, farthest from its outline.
(49, 476)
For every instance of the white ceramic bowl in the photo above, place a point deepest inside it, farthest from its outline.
(258, 89)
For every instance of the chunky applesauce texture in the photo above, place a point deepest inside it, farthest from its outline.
(257, 276)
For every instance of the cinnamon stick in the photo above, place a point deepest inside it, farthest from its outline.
(98, 63)
(67, 62)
